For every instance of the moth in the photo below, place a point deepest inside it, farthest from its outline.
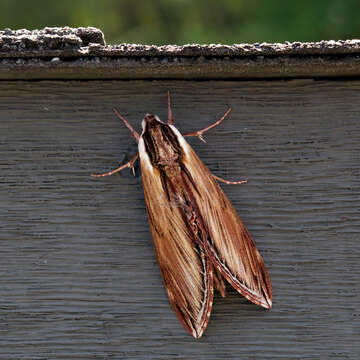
(199, 239)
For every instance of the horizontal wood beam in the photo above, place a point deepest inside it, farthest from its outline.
(81, 53)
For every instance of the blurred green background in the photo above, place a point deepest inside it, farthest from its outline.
(192, 21)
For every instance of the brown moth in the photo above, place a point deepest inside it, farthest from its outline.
(199, 239)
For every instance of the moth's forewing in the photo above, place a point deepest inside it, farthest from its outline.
(186, 270)
(229, 244)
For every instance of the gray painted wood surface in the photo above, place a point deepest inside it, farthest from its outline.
(184, 67)
(78, 276)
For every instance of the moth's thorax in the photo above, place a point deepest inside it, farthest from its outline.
(160, 141)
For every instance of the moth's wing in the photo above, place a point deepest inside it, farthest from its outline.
(185, 268)
(229, 246)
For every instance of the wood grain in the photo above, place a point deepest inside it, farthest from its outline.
(78, 276)
(180, 68)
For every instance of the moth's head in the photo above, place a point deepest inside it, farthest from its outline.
(150, 121)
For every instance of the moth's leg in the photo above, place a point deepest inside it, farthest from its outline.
(133, 132)
(171, 120)
(229, 182)
(129, 164)
(200, 132)
(219, 282)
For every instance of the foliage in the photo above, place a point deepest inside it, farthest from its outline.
(190, 21)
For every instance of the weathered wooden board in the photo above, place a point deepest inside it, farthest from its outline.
(81, 54)
(78, 274)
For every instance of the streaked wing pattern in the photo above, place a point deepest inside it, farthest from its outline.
(229, 245)
(186, 270)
